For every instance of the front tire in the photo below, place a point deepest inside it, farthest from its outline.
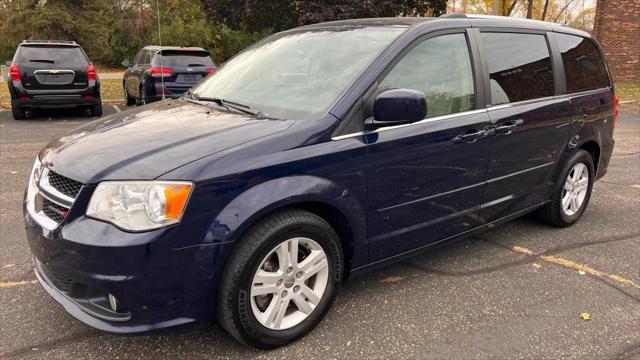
(280, 280)
(572, 192)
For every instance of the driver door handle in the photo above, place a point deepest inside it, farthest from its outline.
(505, 128)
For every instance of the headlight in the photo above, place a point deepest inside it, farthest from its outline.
(139, 205)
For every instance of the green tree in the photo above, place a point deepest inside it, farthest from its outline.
(87, 22)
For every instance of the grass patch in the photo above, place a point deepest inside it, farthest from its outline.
(628, 91)
(109, 69)
(110, 90)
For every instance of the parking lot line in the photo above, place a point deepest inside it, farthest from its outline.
(576, 266)
(9, 284)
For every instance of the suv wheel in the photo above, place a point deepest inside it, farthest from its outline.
(143, 96)
(280, 280)
(96, 110)
(572, 193)
(127, 99)
(18, 112)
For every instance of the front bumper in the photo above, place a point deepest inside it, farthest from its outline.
(156, 286)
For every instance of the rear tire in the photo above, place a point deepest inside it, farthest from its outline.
(572, 191)
(301, 292)
(127, 99)
(143, 97)
(96, 110)
(18, 112)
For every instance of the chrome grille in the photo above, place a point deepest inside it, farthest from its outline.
(65, 185)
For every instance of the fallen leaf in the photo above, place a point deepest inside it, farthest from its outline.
(392, 279)
(537, 266)
(585, 316)
(349, 343)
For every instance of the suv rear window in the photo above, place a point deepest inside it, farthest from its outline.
(519, 66)
(184, 59)
(584, 66)
(51, 55)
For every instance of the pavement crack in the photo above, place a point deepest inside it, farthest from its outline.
(630, 296)
(485, 270)
(573, 246)
(630, 352)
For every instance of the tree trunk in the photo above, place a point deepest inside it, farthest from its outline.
(530, 9)
(511, 7)
(544, 10)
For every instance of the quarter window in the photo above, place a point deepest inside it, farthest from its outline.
(584, 66)
(519, 67)
(146, 58)
(440, 67)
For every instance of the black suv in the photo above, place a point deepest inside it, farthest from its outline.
(52, 74)
(166, 71)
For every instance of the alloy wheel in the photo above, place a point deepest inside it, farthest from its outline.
(289, 283)
(575, 189)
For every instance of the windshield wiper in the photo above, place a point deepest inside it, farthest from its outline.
(227, 104)
(43, 61)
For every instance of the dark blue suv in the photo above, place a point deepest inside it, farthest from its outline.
(315, 155)
(159, 72)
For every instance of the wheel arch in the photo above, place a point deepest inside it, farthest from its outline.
(319, 196)
(593, 148)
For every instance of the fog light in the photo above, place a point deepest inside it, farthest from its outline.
(114, 303)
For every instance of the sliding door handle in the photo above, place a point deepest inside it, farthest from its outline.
(471, 136)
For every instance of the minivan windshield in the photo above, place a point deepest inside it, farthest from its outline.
(297, 74)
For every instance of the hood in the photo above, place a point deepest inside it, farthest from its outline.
(146, 142)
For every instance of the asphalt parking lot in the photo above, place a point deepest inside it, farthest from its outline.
(518, 291)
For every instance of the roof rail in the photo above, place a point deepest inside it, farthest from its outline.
(455, 16)
(70, 42)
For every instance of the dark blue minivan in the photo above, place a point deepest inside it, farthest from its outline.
(315, 155)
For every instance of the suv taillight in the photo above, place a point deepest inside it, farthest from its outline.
(14, 73)
(616, 101)
(159, 72)
(210, 71)
(91, 72)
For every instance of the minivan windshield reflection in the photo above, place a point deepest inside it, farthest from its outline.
(297, 75)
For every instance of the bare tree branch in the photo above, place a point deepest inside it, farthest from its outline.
(562, 10)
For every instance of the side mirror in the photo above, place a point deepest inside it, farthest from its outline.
(397, 107)
(125, 63)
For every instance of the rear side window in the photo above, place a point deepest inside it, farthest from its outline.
(440, 67)
(51, 55)
(146, 58)
(184, 59)
(519, 66)
(584, 66)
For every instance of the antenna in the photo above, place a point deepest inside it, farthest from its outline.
(160, 43)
